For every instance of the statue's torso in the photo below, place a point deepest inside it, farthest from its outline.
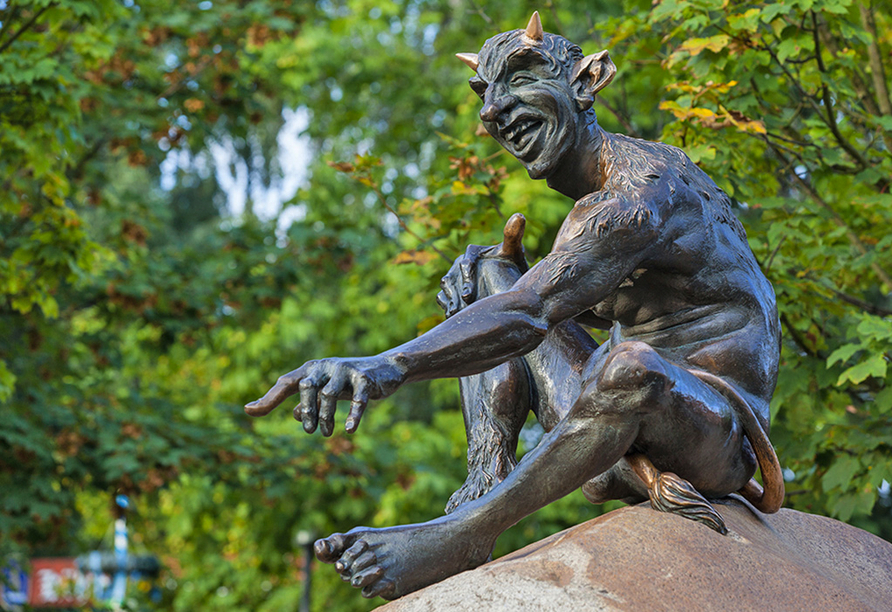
(698, 294)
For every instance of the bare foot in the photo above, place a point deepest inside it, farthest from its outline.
(394, 561)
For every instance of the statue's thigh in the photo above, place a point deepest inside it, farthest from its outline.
(698, 436)
(685, 426)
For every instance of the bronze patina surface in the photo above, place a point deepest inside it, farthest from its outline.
(673, 407)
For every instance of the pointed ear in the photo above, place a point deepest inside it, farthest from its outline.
(590, 75)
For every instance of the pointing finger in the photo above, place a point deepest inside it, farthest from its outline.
(286, 386)
(330, 549)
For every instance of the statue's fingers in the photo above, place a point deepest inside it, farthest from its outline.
(366, 577)
(448, 301)
(442, 301)
(328, 403)
(286, 386)
(512, 245)
(309, 404)
(357, 405)
(468, 269)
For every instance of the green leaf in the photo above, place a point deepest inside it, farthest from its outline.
(883, 400)
(873, 366)
(771, 11)
(843, 353)
(787, 48)
(840, 473)
(7, 381)
(876, 328)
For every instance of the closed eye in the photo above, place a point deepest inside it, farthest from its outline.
(521, 79)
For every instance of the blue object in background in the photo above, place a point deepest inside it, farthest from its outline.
(15, 586)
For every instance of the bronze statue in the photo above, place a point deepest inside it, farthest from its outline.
(673, 407)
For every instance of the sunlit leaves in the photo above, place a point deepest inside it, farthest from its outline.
(791, 61)
(172, 312)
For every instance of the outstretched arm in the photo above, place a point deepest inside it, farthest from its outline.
(582, 270)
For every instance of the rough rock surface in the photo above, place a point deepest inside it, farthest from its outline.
(638, 559)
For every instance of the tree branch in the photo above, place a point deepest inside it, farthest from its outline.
(558, 26)
(858, 79)
(399, 219)
(631, 131)
(834, 216)
(854, 301)
(25, 27)
(830, 119)
(877, 71)
(10, 19)
(828, 100)
(797, 338)
(75, 172)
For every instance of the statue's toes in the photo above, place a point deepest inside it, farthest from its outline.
(364, 561)
(332, 548)
(383, 587)
(346, 565)
(367, 577)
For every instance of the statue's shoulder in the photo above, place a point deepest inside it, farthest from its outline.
(631, 164)
(663, 178)
(606, 214)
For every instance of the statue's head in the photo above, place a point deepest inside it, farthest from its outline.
(537, 90)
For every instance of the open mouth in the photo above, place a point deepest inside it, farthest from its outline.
(521, 133)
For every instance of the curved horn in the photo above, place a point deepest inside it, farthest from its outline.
(534, 28)
(470, 59)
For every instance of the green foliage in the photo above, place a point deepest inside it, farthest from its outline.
(135, 320)
(796, 93)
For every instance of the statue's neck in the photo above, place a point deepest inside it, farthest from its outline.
(581, 172)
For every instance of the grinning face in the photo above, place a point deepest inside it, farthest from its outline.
(529, 107)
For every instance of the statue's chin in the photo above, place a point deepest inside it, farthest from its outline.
(541, 165)
(545, 163)
(538, 171)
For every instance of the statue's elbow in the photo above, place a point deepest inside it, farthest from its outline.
(531, 311)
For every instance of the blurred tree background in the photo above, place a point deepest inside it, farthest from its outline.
(196, 197)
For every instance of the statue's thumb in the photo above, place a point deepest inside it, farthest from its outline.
(512, 246)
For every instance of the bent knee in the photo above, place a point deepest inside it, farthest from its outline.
(633, 379)
(632, 366)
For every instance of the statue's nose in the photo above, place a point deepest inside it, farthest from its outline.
(494, 106)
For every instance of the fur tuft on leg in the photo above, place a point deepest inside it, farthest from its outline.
(490, 460)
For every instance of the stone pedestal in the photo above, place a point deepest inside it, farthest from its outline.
(638, 559)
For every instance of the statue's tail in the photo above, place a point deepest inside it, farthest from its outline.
(770, 499)
(670, 493)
